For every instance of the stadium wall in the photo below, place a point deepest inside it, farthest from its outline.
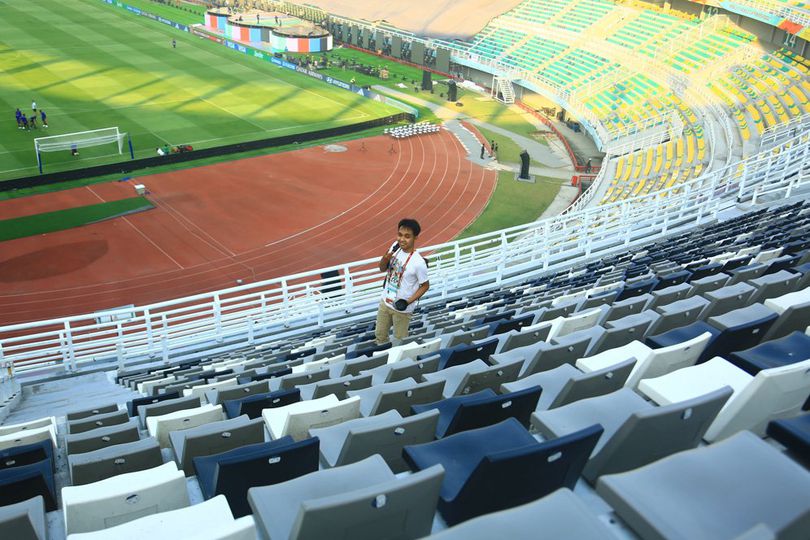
(138, 164)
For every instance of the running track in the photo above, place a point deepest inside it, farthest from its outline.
(252, 219)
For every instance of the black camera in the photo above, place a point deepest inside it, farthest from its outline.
(401, 304)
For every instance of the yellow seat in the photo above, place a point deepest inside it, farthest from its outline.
(648, 161)
(679, 152)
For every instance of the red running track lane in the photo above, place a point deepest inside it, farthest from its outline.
(252, 219)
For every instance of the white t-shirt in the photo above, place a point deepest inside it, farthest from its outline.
(414, 275)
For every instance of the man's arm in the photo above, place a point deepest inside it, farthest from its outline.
(384, 261)
(423, 288)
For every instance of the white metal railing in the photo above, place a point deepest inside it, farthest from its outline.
(780, 132)
(160, 330)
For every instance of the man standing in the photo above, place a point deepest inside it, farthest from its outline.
(33, 107)
(406, 280)
(18, 114)
(44, 117)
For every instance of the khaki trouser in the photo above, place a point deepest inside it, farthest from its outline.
(387, 317)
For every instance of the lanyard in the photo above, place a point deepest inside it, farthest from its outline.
(402, 271)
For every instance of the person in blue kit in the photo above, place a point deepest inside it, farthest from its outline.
(44, 118)
(406, 280)
(18, 115)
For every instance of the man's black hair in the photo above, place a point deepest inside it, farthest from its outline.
(411, 224)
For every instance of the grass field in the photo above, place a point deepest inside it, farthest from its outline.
(91, 65)
(71, 217)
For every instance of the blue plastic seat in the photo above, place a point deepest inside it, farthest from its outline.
(733, 331)
(637, 289)
(673, 278)
(481, 409)
(794, 434)
(466, 353)
(132, 406)
(28, 454)
(264, 376)
(501, 326)
(18, 484)
(790, 349)
(705, 270)
(232, 473)
(501, 466)
(367, 351)
(253, 405)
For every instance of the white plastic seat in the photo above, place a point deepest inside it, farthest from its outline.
(145, 387)
(159, 427)
(772, 393)
(315, 365)
(562, 326)
(649, 362)
(412, 350)
(474, 376)
(210, 520)
(297, 419)
(123, 498)
(201, 389)
(28, 426)
(29, 436)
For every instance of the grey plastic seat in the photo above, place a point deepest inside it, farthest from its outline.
(466, 337)
(166, 407)
(709, 283)
(363, 500)
(678, 314)
(292, 380)
(794, 312)
(617, 333)
(747, 273)
(474, 376)
(727, 299)
(118, 459)
(24, 520)
(214, 438)
(356, 365)
(98, 420)
(397, 396)
(566, 384)
(385, 434)
(623, 308)
(338, 386)
(636, 432)
(221, 395)
(84, 413)
(561, 516)
(716, 492)
(670, 294)
(102, 438)
(773, 285)
(403, 369)
(528, 335)
(543, 356)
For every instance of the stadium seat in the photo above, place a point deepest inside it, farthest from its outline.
(92, 411)
(397, 396)
(699, 494)
(159, 427)
(528, 335)
(338, 386)
(481, 409)
(297, 419)
(218, 396)
(794, 434)
(18, 484)
(97, 421)
(134, 405)
(561, 515)
(253, 405)
(474, 376)
(772, 393)
(21, 428)
(794, 312)
(358, 365)
(102, 438)
(384, 434)
(363, 500)
(28, 454)
(214, 438)
(24, 520)
(122, 498)
(210, 520)
(463, 354)
(543, 356)
(118, 459)
(566, 384)
(27, 437)
(402, 369)
(635, 431)
(200, 390)
(285, 382)
(166, 407)
(775, 353)
(232, 473)
(500, 466)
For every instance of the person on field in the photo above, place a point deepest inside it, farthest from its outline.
(33, 106)
(174, 44)
(406, 280)
(18, 115)
(24, 121)
(44, 118)
(33, 121)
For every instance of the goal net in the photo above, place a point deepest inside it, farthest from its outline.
(80, 139)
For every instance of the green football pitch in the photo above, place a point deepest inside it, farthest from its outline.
(90, 65)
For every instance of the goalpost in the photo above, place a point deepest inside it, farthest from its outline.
(80, 139)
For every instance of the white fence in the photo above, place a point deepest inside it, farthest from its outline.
(163, 329)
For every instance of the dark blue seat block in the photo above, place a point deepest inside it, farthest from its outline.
(790, 349)
(19, 484)
(497, 317)
(681, 334)
(637, 289)
(704, 270)
(232, 473)
(18, 456)
(675, 278)
(265, 376)
(466, 353)
(132, 406)
(253, 405)
(481, 409)
(368, 351)
(505, 325)
(501, 466)
(794, 434)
